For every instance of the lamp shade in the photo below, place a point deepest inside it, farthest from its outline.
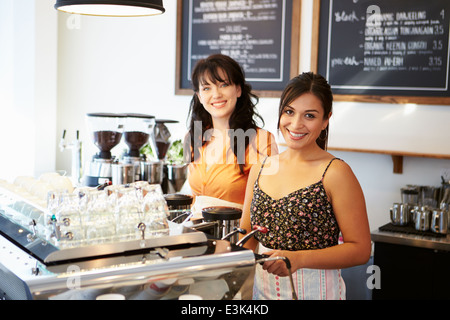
(111, 8)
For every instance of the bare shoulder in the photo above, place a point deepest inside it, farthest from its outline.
(338, 172)
(339, 165)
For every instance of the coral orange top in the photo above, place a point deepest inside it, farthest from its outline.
(223, 179)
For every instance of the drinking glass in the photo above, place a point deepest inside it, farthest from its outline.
(99, 220)
(128, 213)
(68, 221)
(155, 211)
(54, 200)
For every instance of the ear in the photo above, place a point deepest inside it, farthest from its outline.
(326, 122)
(238, 91)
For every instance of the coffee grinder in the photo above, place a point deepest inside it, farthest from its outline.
(152, 169)
(174, 174)
(138, 131)
(162, 138)
(106, 131)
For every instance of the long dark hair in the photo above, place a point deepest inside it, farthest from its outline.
(309, 82)
(243, 116)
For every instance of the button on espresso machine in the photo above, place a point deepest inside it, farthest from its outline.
(106, 130)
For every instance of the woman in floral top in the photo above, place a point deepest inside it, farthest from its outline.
(306, 198)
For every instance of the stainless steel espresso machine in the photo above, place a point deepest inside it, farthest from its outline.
(117, 242)
(63, 254)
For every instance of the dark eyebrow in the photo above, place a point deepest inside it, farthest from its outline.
(306, 111)
(204, 82)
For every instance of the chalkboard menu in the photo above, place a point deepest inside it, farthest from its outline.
(386, 48)
(256, 33)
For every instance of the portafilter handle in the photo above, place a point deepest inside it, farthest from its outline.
(232, 233)
(256, 229)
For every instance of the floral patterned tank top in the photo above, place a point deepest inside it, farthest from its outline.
(302, 220)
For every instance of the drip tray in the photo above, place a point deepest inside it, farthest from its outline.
(409, 230)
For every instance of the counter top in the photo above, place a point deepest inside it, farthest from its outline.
(414, 240)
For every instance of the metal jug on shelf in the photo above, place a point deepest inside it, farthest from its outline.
(422, 217)
(439, 221)
(445, 199)
(400, 214)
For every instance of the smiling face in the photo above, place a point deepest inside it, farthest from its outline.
(218, 97)
(302, 121)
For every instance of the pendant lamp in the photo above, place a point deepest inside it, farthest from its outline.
(111, 8)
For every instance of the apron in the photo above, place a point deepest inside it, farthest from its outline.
(309, 284)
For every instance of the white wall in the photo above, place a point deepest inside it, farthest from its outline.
(117, 65)
(27, 87)
(128, 64)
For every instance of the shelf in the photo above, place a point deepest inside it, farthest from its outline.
(397, 156)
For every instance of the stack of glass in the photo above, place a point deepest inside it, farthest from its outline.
(118, 213)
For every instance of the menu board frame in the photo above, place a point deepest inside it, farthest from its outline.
(292, 64)
(321, 36)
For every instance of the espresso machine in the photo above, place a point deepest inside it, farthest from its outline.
(106, 131)
(102, 250)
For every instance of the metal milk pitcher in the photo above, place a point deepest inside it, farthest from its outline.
(422, 219)
(400, 214)
(439, 221)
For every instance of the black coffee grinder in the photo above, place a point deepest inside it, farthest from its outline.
(175, 174)
(162, 137)
(138, 131)
(106, 131)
